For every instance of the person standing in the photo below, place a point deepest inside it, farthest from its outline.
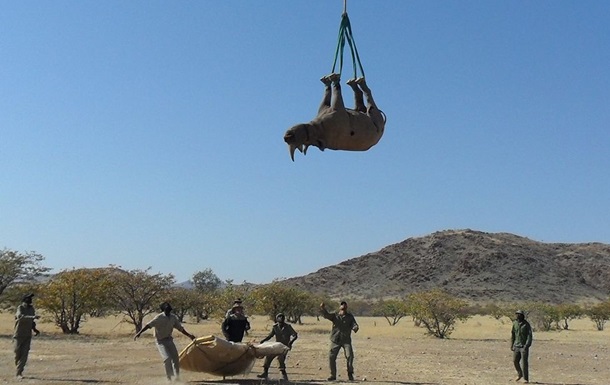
(341, 337)
(238, 301)
(235, 324)
(22, 337)
(164, 324)
(285, 334)
(520, 342)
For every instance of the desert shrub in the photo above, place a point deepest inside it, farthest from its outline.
(599, 314)
(393, 310)
(543, 316)
(73, 294)
(568, 312)
(438, 311)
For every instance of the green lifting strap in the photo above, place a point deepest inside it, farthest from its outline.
(345, 34)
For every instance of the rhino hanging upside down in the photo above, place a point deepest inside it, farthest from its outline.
(336, 127)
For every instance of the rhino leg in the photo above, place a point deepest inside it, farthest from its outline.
(325, 105)
(372, 110)
(337, 103)
(358, 98)
(367, 92)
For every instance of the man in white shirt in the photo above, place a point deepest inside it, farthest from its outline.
(164, 324)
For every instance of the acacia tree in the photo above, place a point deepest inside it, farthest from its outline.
(137, 293)
(208, 287)
(438, 311)
(568, 312)
(600, 314)
(271, 299)
(72, 294)
(543, 316)
(184, 301)
(224, 297)
(392, 310)
(275, 297)
(298, 303)
(206, 281)
(18, 267)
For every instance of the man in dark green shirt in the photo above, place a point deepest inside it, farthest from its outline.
(340, 337)
(285, 334)
(520, 342)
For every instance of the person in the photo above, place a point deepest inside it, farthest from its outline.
(235, 324)
(238, 301)
(164, 324)
(22, 337)
(520, 342)
(341, 337)
(285, 334)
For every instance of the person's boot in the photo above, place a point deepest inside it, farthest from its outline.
(350, 376)
(284, 375)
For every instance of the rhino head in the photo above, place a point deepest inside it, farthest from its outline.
(300, 137)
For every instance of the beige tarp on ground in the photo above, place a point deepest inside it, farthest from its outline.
(220, 357)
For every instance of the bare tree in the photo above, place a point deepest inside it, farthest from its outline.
(137, 293)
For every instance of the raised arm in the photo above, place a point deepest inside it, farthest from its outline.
(325, 313)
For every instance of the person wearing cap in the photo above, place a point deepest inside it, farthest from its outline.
(520, 342)
(340, 337)
(22, 337)
(237, 302)
(285, 334)
(164, 324)
(235, 324)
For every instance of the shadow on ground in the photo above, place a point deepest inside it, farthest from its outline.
(69, 380)
(310, 382)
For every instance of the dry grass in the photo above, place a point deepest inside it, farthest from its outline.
(477, 354)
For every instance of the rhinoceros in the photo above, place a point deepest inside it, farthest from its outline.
(336, 127)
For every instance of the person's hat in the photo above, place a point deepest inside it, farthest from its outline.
(280, 315)
(237, 301)
(520, 312)
(165, 305)
(343, 303)
(29, 295)
(237, 305)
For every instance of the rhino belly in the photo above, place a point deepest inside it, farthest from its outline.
(356, 133)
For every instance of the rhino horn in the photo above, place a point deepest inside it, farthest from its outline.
(294, 147)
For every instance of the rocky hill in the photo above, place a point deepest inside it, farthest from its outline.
(477, 266)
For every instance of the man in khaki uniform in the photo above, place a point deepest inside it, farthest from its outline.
(22, 337)
(164, 323)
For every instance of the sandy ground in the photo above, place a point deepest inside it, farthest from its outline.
(476, 354)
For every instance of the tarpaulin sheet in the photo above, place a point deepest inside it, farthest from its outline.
(220, 357)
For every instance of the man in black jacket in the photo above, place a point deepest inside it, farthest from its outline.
(235, 324)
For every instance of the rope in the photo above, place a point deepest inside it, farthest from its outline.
(345, 34)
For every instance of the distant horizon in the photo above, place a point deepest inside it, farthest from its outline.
(179, 281)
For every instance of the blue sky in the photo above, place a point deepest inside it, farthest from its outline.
(149, 133)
